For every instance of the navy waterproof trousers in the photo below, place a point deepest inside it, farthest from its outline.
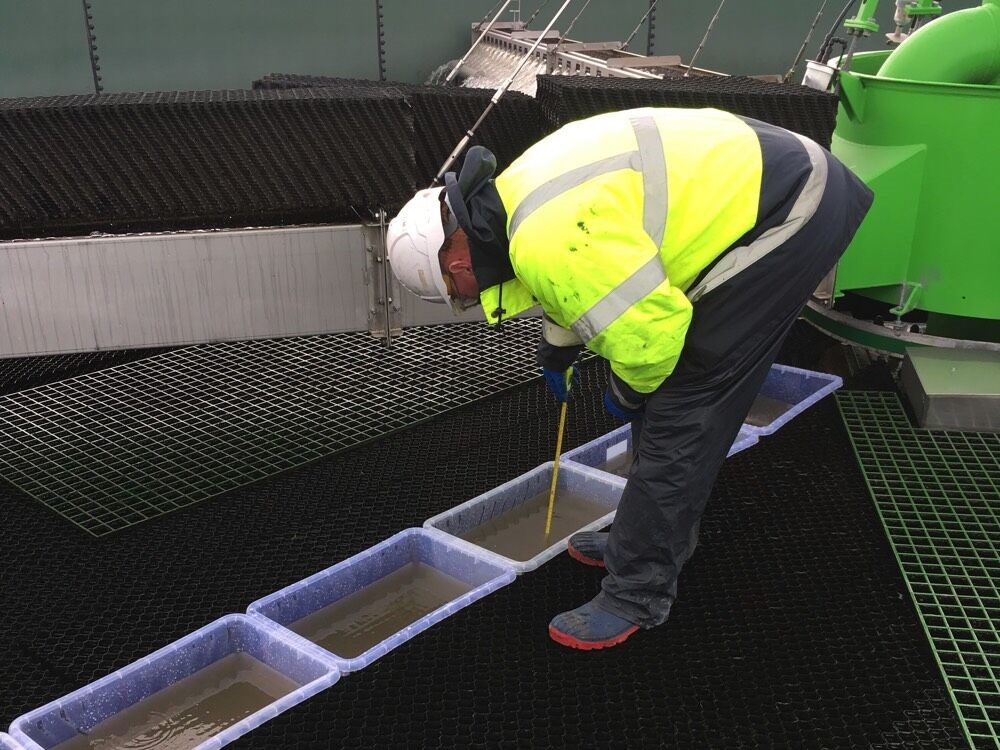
(690, 422)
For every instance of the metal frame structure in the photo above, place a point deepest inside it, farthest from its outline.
(149, 290)
(562, 56)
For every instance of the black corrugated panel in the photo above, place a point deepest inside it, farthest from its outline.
(442, 114)
(800, 109)
(188, 160)
(283, 154)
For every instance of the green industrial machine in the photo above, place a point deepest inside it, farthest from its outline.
(919, 124)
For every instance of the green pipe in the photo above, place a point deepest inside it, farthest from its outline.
(960, 47)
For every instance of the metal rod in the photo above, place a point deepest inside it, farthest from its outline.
(386, 278)
(489, 12)
(651, 30)
(628, 41)
(805, 43)
(537, 11)
(470, 133)
(701, 45)
(95, 67)
(380, 38)
(846, 64)
(828, 42)
(475, 44)
(572, 23)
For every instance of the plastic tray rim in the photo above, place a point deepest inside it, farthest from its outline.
(505, 575)
(750, 438)
(558, 546)
(228, 735)
(834, 383)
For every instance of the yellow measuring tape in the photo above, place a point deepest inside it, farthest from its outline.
(555, 466)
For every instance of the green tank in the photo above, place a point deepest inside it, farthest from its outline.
(920, 125)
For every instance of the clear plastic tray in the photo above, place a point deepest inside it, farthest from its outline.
(484, 572)
(9, 743)
(798, 389)
(596, 486)
(598, 452)
(81, 710)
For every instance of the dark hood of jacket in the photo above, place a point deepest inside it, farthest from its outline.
(474, 200)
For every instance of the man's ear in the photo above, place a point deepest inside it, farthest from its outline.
(457, 265)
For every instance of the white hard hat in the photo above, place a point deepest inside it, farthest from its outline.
(414, 237)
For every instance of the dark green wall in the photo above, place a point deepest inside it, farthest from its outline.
(202, 44)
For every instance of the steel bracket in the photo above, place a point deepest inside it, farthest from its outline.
(911, 290)
(384, 311)
(825, 292)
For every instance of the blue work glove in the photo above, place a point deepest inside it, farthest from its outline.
(626, 415)
(556, 382)
(621, 401)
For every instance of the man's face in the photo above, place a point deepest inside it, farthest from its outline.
(456, 265)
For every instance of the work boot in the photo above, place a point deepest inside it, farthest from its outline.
(590, 627)
(589, 547)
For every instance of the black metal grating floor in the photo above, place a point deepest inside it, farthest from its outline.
(938, 494)
(21, 373)
(126, 444)
(793, 628)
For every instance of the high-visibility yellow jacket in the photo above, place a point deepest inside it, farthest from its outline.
(611, 219)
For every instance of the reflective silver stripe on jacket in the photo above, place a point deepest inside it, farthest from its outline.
(805, 206)
(619, 396)
(647, 159)
(567, 181)
(613, 305)
(651, 274)
(654, 178)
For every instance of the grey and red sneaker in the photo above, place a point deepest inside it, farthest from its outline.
(589, 547)
(589, 627)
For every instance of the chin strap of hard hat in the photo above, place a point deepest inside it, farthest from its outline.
(451, 226)
(498, 313)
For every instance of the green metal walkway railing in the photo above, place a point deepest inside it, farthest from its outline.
(938, 495)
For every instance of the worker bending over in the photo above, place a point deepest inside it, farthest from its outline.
(678, 244)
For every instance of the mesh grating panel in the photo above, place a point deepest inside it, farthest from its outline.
(441, 115)
(120, 446)
(208, 159)
(938, 494)
(19, 373)
(798, 108)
